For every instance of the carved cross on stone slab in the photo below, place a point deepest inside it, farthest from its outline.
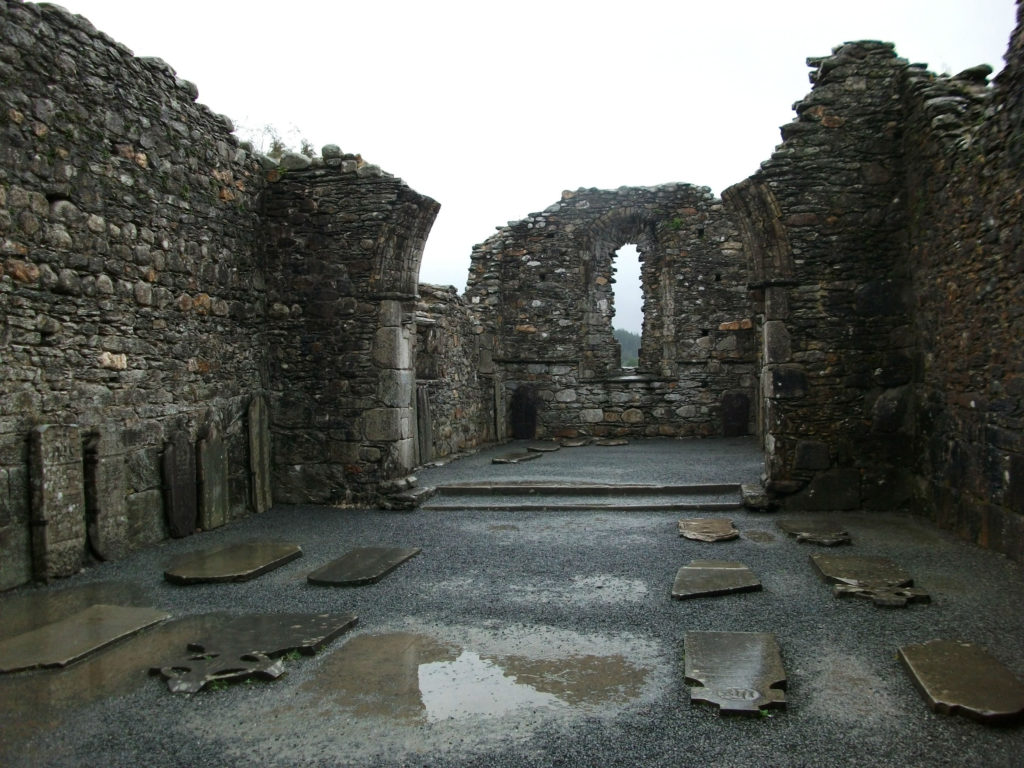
(876, 578)
(705, 578)
(708, 529)
(250, 646)
(812, 531)
(739, 672)
(962, 678)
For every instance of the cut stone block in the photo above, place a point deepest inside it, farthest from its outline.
(213, 483)
(249, 646)
(365, 565)
(238, 562)
(259, 455)
(813, 531)
(543, 447)
(705, 578)
(106, 493)
(708, 529)
(876, 578)
(62, 642)
(58, 501)
(180, 501)
(962, 678)
(516, 457)
(739, 672)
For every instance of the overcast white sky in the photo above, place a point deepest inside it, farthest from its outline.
(493, 108)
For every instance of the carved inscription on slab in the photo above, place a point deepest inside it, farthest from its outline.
(738, 672)
(705, 578)
(708, 529)
(963, 678)
(58, 501)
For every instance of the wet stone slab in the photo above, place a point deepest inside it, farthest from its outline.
(238, 562)
(62, 642)
(875, 578)
(365, 565)
(823, 532)
(251, 647)
(516, 457)
(612, 442)
(543, 447)
(708, 529)
(576, 442)
(963, 678)
(739, 672)
(706, 578)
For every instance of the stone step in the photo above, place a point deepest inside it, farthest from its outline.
(577, 497)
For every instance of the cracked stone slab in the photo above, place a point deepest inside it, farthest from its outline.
(811, 531)
(516, 457)
(251, 647)
(62, 642)
(875, 578)
(708, 529)
(955, 677)
(365, 565)
(739, 672)
(238, 562)
(543, 447)
(706, 578)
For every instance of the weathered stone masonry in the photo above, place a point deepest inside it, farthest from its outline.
(140, 341)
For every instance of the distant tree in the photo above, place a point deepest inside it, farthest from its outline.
(629, 344)
(269, 141)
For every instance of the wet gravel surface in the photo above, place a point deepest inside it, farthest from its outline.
(522, 639)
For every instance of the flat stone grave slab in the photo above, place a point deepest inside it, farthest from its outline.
(705, 578)
(251, 646)
(543, 447)
(739, 672)
(365, 565)
(875, 578)
(237, 562)
(612, 442)
(708, 529)
(516, 457)
(811, 531)
(963, 678)
(62, 642)
(576, 442)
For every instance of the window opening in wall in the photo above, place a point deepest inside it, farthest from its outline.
(629, 304)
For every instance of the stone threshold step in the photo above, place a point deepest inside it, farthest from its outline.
(454, 505)
(583, 489)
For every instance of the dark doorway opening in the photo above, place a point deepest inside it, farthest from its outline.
(523, 413)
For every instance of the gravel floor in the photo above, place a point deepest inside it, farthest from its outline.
(523, 639)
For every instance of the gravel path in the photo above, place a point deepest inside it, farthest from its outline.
(522, 639)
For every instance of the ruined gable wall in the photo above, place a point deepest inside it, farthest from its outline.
(130, 293)
(824, 224)
(343, 246)
(542, 289)
(965, 196)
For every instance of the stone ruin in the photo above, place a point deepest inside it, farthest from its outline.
(189, 336)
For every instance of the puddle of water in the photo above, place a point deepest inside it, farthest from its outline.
(416, 678)
(33, 608)
(36, 701)
(582, 590)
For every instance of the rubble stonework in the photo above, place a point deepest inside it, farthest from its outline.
(857, 303)
(542, 289)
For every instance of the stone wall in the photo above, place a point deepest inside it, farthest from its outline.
(455, 379)
(343, 246)
(542, 290)
(964, 146)
(131, 301)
